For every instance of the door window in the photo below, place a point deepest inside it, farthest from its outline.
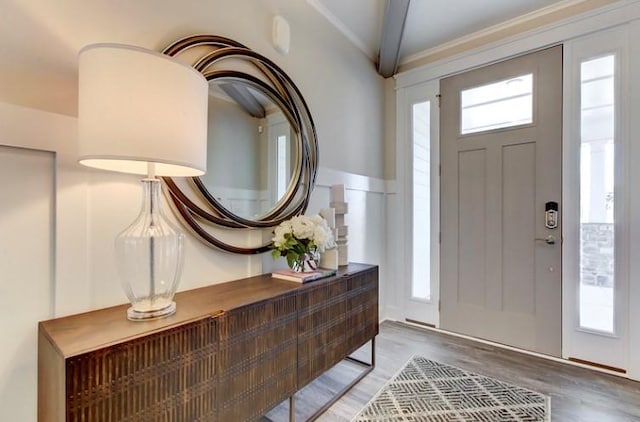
(497, 105)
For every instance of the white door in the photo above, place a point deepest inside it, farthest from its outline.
(421, 208)
(596, 224)
(501, 150)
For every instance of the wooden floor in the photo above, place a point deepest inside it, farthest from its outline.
(577, 394)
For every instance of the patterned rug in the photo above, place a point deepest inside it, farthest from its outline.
(425, 390)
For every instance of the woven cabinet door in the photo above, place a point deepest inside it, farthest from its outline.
(257, 358)
(362, 309)
(321, 328)
(163, 377)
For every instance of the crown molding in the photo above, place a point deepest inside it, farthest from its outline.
(341, 27)
(488, 32)
(579, 24)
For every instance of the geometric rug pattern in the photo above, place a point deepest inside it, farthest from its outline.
(425, 390)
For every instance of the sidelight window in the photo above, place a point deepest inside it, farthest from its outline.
(597, 250)
(421, 282)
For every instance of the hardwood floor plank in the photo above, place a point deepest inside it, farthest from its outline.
(577, 394)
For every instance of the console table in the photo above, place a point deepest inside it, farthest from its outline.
(231, 352)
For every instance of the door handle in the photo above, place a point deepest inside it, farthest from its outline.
(549, 240)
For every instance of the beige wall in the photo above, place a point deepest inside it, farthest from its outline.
(345, 94)
(40, 40)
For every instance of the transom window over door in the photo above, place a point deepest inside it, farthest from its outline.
(497, 105)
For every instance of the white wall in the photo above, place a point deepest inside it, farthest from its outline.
(27, 268)
(37, 110)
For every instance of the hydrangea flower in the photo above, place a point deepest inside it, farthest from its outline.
(301, 235)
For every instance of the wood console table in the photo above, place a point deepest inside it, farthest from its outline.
(231, 352)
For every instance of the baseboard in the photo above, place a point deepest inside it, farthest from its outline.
(392, 313)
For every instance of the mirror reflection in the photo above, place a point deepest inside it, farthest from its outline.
(251, 151)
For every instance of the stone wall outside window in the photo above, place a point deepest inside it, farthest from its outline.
(596, 254)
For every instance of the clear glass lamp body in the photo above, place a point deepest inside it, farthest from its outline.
(149, 254)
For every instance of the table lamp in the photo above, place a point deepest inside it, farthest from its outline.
(143, 112)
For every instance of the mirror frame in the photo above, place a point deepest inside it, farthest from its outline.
(279, 88)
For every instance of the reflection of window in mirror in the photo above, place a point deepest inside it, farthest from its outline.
(280, 156)
(282, 165)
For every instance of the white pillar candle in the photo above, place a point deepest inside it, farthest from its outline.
(329, 214)
(337, 193)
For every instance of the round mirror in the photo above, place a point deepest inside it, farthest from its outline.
(252, 149)
(262, 147)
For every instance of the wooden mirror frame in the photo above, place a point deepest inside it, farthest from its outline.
(276, 85)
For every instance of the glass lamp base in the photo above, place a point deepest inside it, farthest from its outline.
(138, 315)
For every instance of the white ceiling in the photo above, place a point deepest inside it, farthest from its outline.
(429, 23)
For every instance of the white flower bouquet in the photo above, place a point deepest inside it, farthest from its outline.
(300, 239)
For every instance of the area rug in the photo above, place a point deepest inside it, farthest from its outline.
(425, 390)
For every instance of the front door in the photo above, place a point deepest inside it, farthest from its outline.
(501, 181)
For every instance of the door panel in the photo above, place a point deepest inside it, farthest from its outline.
(518, 251)
(472, 266)
(499, 282)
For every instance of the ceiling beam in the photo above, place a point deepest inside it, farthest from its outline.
(245, 99)
(395, 16)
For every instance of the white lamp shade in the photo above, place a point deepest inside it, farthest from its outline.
(138, 106)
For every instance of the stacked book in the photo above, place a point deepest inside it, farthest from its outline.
(303, 277)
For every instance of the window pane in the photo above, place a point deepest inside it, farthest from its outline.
(497, 105)
(421, 283)
(595, 68)
(597, 277)
(283, 174)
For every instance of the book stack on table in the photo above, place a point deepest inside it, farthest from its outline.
(303, 277)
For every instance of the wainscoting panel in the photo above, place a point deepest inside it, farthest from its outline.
(27, 251)
(367, 218)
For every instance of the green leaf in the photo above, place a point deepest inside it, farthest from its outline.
(292, 257)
